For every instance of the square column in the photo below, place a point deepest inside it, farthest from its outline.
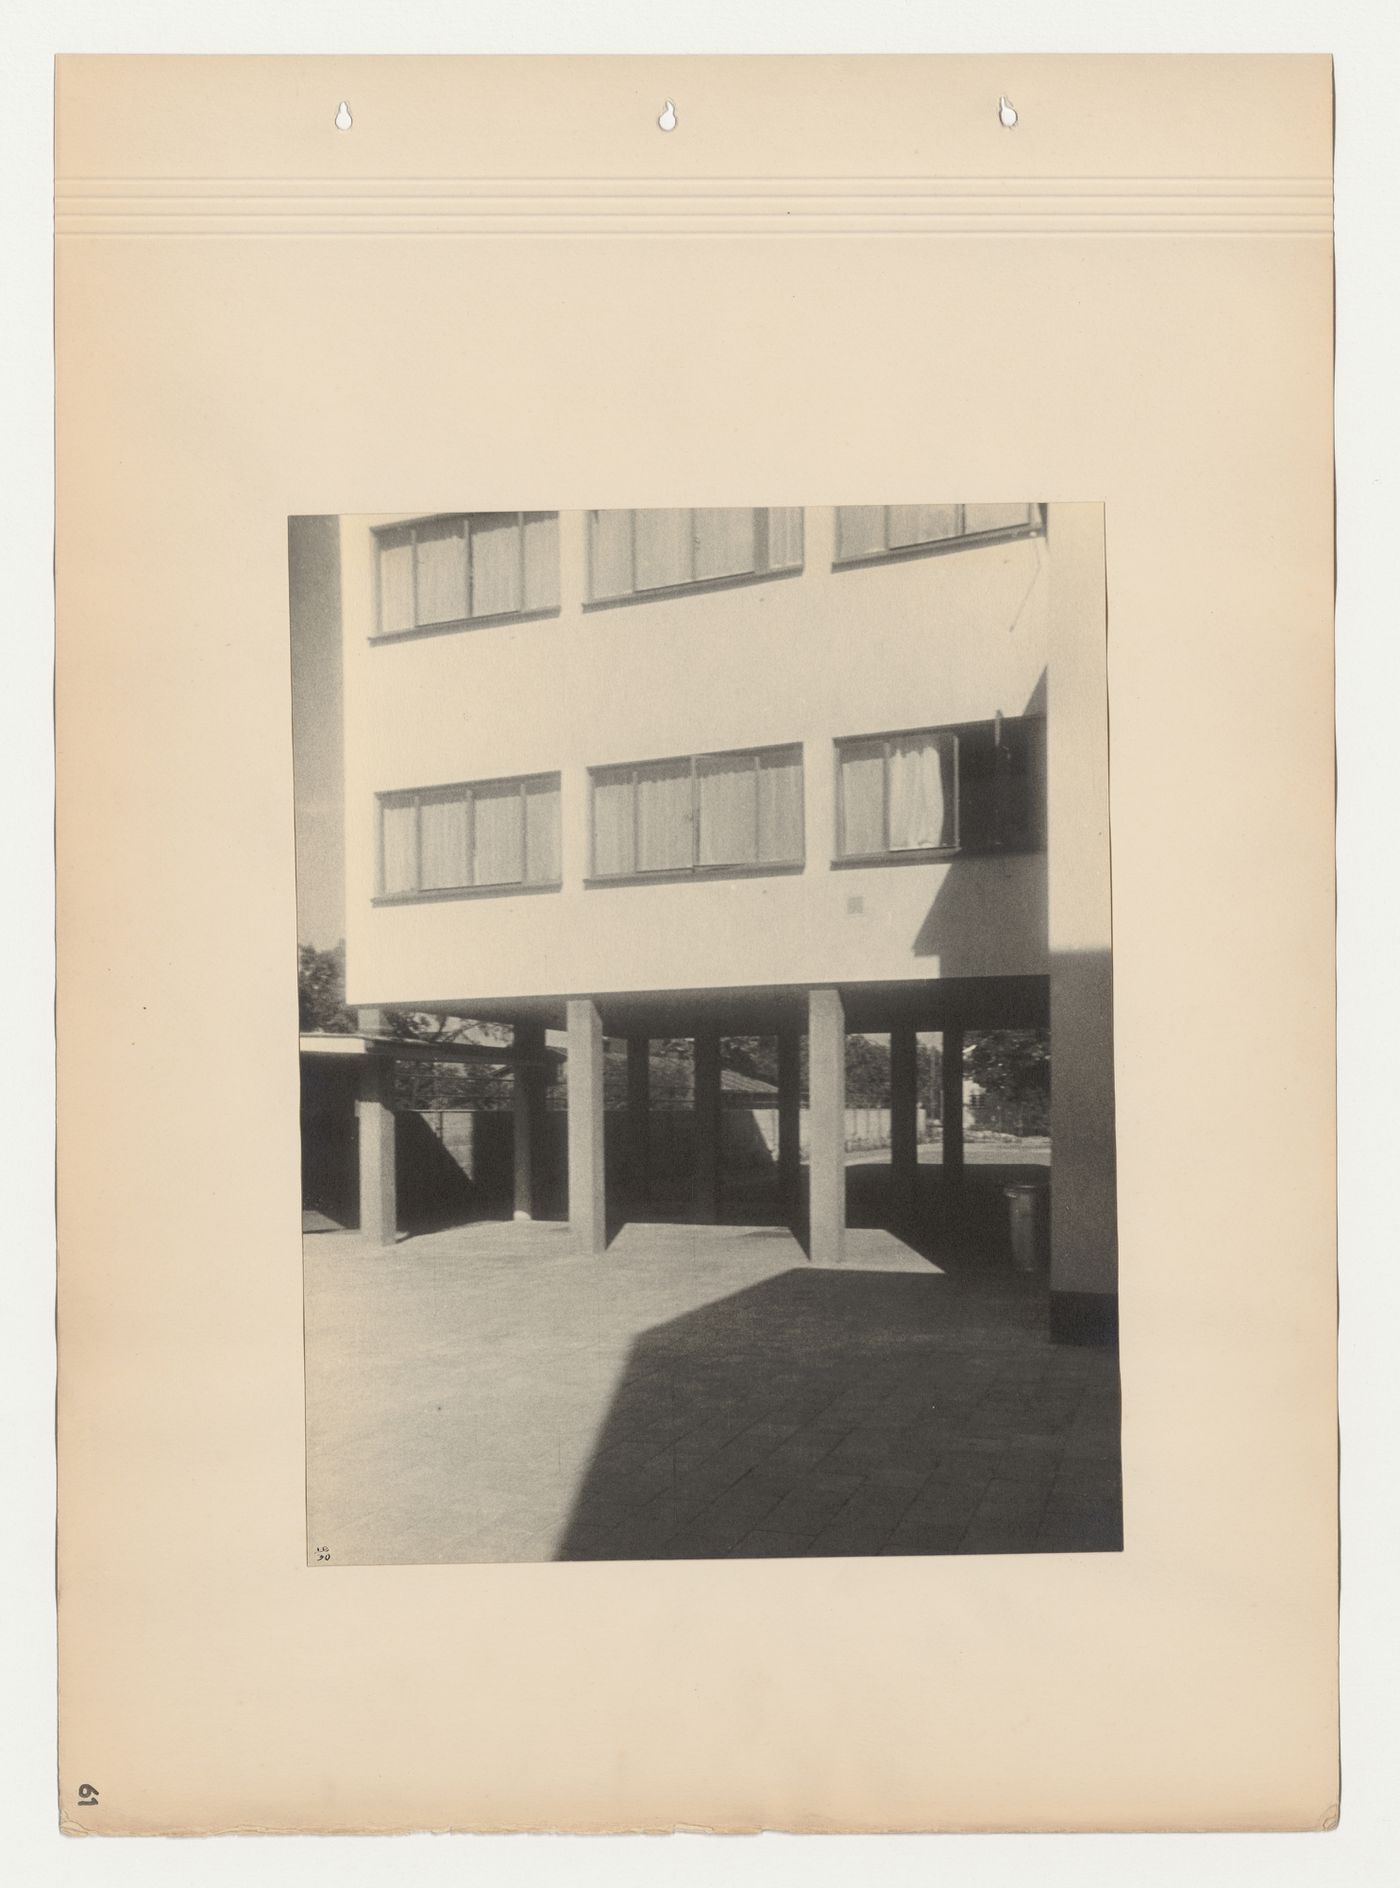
(378, 1138)
(587, 1194)
(826, 1033)
(904, 1123)
(790, 1121)
(527, 1097)
(639, 1113)
(707, 1127)
(1083, 1194)
(952, 1087)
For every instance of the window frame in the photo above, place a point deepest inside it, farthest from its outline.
(416, 797)
(470, 620)
(757, 868)
(762, 572)
(957, 540)
(960, 731)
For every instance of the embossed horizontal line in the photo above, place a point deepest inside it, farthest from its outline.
(843, 183)
(680, 232)
(768, 205)
(948, 204)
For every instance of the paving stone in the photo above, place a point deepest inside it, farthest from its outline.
(717, 1529)
(762, 1544)
(509, 1403)
(900, 1475)
(865, 1523)
(811, 1504)
(926, 1537)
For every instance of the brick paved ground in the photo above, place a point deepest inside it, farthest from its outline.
(482, 1394)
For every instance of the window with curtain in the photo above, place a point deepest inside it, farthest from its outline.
(699, 813)
(865, 531)
(443, 571)
(398, 847)
(976, 787)
(631, 553)
(487, 834)
(444, 841)
(899, 793)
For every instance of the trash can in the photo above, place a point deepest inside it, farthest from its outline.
(1030, 1224)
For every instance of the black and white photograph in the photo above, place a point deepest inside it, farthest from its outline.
(705, 1008)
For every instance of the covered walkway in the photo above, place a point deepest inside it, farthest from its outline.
(811, 1181)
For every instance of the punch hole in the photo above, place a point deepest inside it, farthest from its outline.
(667, 120)
(343, 120)
(1007, 112)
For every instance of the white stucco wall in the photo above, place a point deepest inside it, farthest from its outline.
(954, 636)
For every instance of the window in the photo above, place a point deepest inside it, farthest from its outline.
(1001, 785)
(489, 834)
(633, 552)
(441, 572)
(702, 813)
(978, 787)
(864, 531)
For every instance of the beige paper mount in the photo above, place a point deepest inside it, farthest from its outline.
(834, 279)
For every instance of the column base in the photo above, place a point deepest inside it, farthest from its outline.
(1084, 1317)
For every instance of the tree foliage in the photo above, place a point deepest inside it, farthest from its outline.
(321, 1008)
(1012, 1068)
(867, 1065)
(321, 991)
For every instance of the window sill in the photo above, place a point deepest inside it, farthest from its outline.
(683, 875)
(939, 547)
(441, 895)
(461, 624)
(932, 855)
(702, 586)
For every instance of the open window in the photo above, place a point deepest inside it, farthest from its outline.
(975, 787)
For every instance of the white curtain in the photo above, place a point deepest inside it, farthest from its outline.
(724, 542)
(920, 812)
(541, 560)
(395, 581)
(542, 860)
(495, 563)
(996, 517)
(860, 530)
(442, 838)
(610, 559)
(728, 810)
(498, 834)
(663, 816)
(614, 838)
(785, 537)
(863, 799)
(664, 549)
(921, 524)
(442, 571)
(780, 808)
(399, 827)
